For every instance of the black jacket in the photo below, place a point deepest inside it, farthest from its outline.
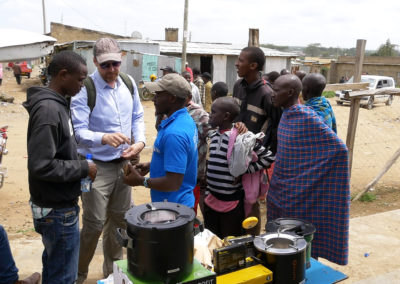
(53, 165)
(257, 111)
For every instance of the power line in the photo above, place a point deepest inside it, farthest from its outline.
(80, 14)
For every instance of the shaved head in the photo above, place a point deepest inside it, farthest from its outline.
(286, 90)
(301, 74)
(313, 85)
(228, 104)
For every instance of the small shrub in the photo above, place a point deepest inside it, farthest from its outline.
(328, 94)
(368, 197)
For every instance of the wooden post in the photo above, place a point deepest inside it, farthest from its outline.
(185, 35)
(355, 103)
(254, 39)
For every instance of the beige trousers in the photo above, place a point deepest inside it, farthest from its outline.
(104, 208)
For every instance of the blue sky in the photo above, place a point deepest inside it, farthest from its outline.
(332, 23)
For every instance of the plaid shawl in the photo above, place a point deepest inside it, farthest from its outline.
(311, 181)
(324, 109)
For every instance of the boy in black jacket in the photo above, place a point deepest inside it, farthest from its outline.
(54, 169)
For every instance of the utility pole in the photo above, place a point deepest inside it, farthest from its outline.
(185, 35)
(44, 18)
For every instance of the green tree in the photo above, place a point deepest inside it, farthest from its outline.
(386, 49)
(313, 49)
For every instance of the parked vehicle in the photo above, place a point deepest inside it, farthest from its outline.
(3, 151)
(375, 82)
(26, 69)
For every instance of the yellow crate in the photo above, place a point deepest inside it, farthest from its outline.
(256, 274)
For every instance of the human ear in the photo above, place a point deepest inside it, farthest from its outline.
(227, 115)
(63, 73)
(253, 66)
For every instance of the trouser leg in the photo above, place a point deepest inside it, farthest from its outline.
(60, 237)
(119, 203)
(94, 204)
(8, 270)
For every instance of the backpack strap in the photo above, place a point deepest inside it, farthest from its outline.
(91, 92)
(127, 81)
(91, 89)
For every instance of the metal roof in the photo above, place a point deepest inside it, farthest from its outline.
(205, 48)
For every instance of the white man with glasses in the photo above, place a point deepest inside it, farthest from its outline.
(106, 131)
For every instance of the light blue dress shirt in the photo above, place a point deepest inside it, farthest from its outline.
(114, 112)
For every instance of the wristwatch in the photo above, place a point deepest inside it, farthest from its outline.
(145, 182)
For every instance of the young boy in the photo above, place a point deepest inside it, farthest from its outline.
(224, 205)
(218, 90)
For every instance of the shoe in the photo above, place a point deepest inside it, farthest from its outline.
(33, 279)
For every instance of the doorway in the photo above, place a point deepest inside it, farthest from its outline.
(206, 64)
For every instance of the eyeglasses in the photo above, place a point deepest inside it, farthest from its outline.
(106, 65)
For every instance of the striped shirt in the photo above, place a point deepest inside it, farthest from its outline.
(219, 180)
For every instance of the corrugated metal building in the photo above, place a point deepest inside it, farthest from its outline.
(142, 58)
(219, 58)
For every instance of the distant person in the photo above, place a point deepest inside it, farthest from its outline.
(313, 86)
(167, 70)
(224, 209)
(8, 270)
(173, 166)
(271, 77)
(54, 168)
(200, 117)
(254, 98)
(284, 72)
(1, 73)
(218, 90)
(195, 91)
(17, 72)
(153, 77)
(301, 74)
(198, 81)
(342, 80)
(207, 92)
(187, 68)
(310, 180)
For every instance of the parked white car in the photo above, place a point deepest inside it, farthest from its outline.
(375, 82)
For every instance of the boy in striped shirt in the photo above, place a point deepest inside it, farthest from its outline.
(223, 206)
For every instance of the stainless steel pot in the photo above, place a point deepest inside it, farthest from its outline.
(285, 255)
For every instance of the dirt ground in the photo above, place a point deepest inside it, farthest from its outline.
(15, 213)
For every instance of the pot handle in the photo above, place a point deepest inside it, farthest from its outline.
(198, 226)
(122, 237)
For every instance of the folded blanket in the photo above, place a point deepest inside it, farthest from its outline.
(311, 181)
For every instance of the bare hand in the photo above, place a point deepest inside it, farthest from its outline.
(114, 139)
(134, 177)
(92, 170)
(143, 168)
(132, 151)
(241, 127)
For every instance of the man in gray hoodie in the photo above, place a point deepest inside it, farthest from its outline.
(54, 168)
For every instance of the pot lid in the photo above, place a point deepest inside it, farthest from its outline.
(159, 215)
(297, 226)
(280, 243)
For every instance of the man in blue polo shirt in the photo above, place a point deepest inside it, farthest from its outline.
(173, 167)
